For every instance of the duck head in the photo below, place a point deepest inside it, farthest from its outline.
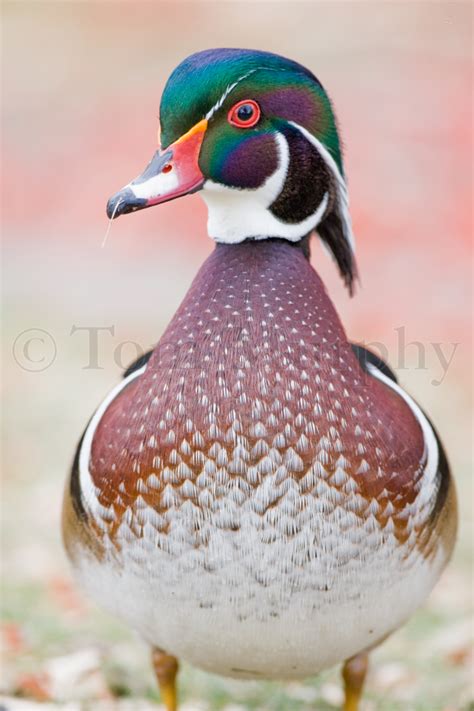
(256, 134)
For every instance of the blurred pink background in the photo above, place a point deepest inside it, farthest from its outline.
(81, 91)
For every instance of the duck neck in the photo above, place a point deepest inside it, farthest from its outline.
(303, 245)
(263, 293)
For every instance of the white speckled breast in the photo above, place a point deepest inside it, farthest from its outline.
(261, 506)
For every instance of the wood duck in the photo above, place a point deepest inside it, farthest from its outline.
(258, 496)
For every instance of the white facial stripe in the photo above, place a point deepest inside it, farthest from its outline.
(236, 215)
(158, 185)
(226, 93)
(431, 454)
(87, 486)
(231, 87)
(342, 194)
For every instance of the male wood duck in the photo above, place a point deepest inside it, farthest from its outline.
(258, 496)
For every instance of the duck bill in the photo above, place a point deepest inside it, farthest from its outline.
(172, 172)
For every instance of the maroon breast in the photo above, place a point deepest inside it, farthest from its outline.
(254, 375)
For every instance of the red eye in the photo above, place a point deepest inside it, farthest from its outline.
(244, 114)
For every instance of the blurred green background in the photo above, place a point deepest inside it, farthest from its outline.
(81, 88)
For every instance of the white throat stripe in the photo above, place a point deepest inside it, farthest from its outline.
(239, 214)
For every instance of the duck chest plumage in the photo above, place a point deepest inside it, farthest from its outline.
(258, 496)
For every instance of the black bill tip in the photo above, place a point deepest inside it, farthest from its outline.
(123, 202)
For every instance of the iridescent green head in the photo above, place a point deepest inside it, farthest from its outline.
(209, 83)
(257, 134)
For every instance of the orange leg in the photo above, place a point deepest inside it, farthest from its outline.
(166, 669)
(353, 673)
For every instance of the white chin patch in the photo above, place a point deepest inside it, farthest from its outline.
(236, 215)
